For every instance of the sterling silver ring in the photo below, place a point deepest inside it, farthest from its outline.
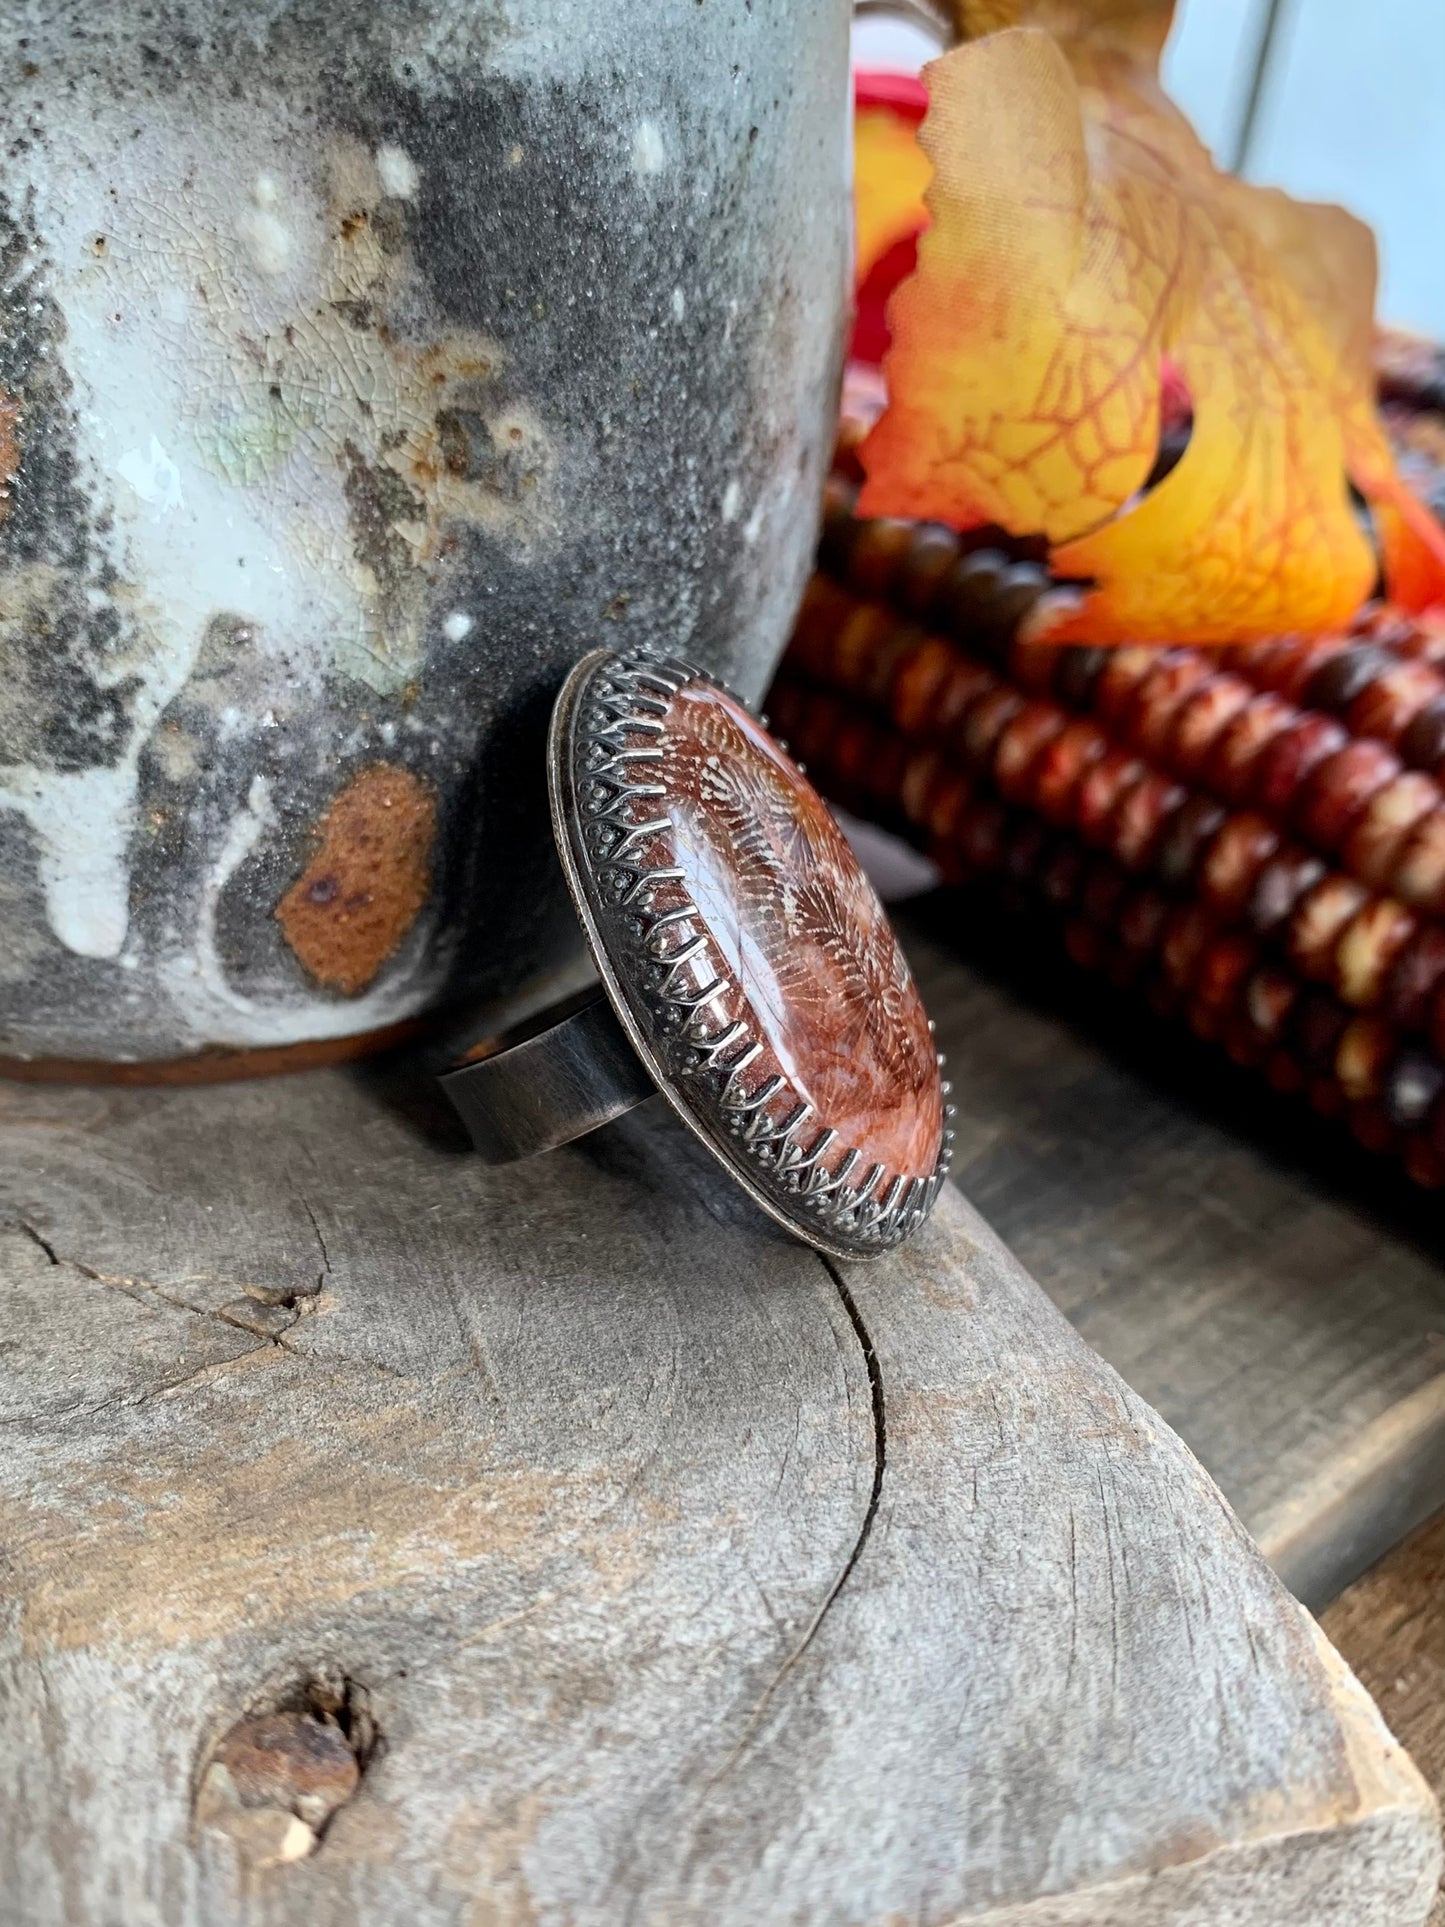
(747, 969)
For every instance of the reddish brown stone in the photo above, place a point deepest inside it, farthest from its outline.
(801, 934)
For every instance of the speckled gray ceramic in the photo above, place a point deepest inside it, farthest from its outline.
(363, 363)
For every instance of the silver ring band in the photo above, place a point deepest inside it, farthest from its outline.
(559, 1076)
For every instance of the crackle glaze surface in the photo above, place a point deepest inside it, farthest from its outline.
(802, 933)
(360, 366)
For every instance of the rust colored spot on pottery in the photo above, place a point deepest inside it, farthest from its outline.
(782, 897)
(9, 448)
(364, 887)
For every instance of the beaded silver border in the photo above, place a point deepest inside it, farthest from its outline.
(604, 811)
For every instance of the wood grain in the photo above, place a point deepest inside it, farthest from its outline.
(1275, 1293)
(1390, 1626)
(671, 1573)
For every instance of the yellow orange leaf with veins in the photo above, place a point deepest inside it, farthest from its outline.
(889, 176)
(1080, 236)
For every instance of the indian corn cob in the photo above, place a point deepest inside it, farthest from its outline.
(1237, 832)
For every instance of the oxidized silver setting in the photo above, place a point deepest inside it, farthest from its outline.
(606, 814)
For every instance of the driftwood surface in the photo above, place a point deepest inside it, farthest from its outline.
(1273, 1290)
(391, 1539)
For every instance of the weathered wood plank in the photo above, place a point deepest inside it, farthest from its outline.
(1390, 1626)
(686, 1577)
(1278, 1296)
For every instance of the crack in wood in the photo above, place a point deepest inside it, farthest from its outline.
(878, 1407)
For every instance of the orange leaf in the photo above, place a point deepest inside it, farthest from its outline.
(890, 173)
(1081, 237)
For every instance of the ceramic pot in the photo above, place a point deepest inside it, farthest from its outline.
(362, 364)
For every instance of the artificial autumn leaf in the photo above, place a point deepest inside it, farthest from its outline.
(890, 172)
(1082, 240)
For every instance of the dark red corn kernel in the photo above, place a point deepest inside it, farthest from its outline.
(1298, 660)
(1222, 970)
(1413, 978)
(919, 775)
(1423, 744)
(1160, 697)
(1062, 881)
(984, 722)
(1020, 587)
(944, 802)
(872, 632)
(1362, 1057)
(1418, 875)
(852, 752)
(1375, 845)
(967, 596)
(1388, 706)
(840, 526)
(1264, 664)
(1231, 866)
(1141, 817)
(1185, 938)
(1203, 718)
(1280, 886)
(1421, 637)
(1104, 782)
(1316, 1029)
(858, 756)
(1115, 688)
(876, 554)
(825, 607)
(1368, 946)
(1077, 674)
(985, 833)
(1319, 918)
(1061, 767)
(963, 684)
(1142, 920)
(1230, 763)
(1269, 997)
(1339, 679)
(930, 555)
(1412, 1085)
(1288, 758)
(920, 679)
(1184, 836)
(1022, 742)
(1339, 788)
(1034, 666)
(874, 658)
